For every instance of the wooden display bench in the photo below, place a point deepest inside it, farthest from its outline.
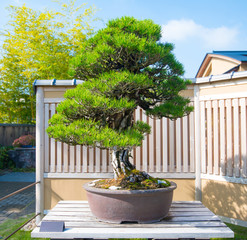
(186, 220)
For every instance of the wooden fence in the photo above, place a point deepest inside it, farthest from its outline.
(168, 150)
(223, 136)
(10, 132)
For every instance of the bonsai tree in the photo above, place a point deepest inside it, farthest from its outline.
(124, 66)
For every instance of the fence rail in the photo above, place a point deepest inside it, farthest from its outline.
(10, 132)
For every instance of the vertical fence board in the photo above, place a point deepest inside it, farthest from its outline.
(144, 147)
(53, 145)
(192, 141)
(203, 137)
(243, 137)
(185, 144)
(216, 137)
(71, 159)
(47, 144)
(178, 145)
(151, 146)
(84, 159)
(229, 136)
(236, 137)
(138, 149)
(171, 146)
(222, 138)
(97, 160)
(104, 160)
(165, 144)
(65, 158)
(59, 157)
(158, 145)
(78, 158)
(209, 137)
(91, 160)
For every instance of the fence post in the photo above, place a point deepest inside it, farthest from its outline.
(40, 153)
(198, 187)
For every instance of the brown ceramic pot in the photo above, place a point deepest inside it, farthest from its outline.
(140, 206)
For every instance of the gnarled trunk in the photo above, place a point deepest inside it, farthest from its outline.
(120, 162)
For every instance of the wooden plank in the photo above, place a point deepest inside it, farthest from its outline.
(198, 141)
(165, 144)
(59, 157)
(85, 207)
(88, 216)
(236, 139)
(159, 224)
(216, 137)
(222, 138)
(85, 158)
(172, 233)
(47, 144)
(137, 233)
(72, 159)
(87, 212)
(91, 160)
(158, 145)
(203, 137)
(209, 137)
(138, 149)
(53, 145)
(243, 103)
(104, 161)
(145, 147)
(65, 158)
(229, 137)
(185, 145)
(171, 146)
(178, 146)
(97, 160)
(192, 141)
(78, 158)
(40, 140)
(151, 146)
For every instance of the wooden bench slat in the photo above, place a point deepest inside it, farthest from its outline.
(212, 232)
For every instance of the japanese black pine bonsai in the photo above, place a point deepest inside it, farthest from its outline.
(124, 66)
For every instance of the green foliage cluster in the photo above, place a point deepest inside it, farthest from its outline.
(38, 45)
(124, 66)
(5, 160)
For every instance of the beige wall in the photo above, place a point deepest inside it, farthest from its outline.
(223, 89)
(225, 199)
(71, 189)
(218, 66)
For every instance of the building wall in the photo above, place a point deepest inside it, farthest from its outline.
(71, 189)
(225, 199)
(218, 66)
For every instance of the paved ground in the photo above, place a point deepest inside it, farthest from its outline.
(20, 204)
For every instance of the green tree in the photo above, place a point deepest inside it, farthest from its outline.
(38, 45)
(124, 66)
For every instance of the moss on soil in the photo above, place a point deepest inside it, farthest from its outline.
(133, 180)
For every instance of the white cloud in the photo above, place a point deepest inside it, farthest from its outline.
(184, 29)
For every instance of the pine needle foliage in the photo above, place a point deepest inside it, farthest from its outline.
(124, 66)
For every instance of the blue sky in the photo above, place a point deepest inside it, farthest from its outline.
(195, 27)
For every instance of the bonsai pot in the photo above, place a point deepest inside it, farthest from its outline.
(136, 206)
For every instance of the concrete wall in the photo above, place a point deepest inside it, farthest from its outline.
(225, 199)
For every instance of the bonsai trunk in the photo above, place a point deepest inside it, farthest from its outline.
(120, 162)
